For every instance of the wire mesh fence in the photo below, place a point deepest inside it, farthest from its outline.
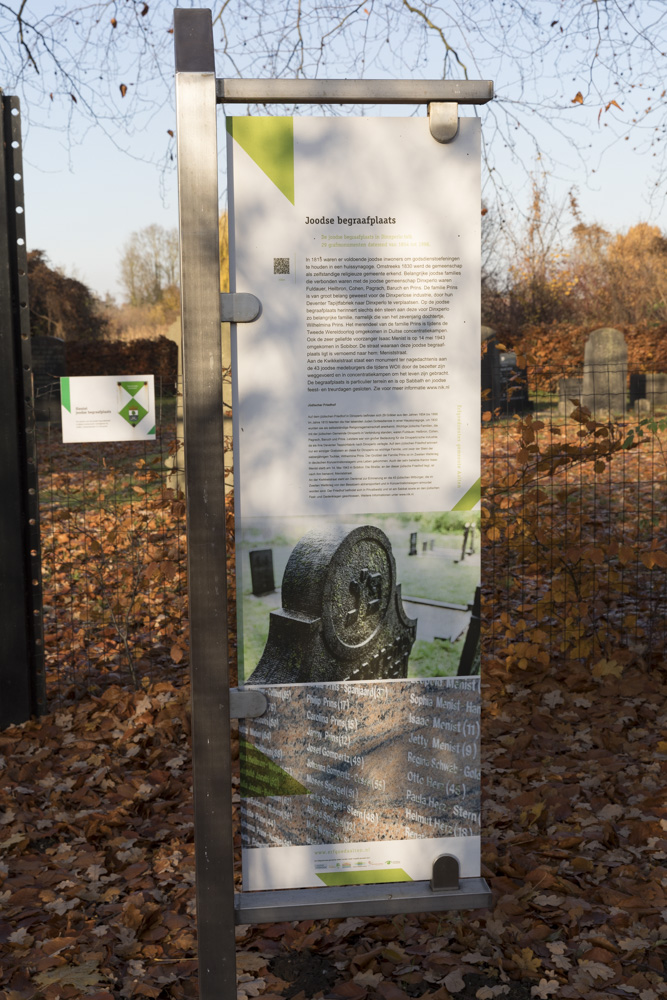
(574, 524)
(574, 533)
(113, 557)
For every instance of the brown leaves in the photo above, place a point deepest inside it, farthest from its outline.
(104, 838)
(96, 836)
(565, 544)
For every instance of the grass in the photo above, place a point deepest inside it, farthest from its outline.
(439, 658)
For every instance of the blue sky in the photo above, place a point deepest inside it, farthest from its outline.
(85, 194)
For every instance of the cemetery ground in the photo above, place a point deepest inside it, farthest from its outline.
(96, 830)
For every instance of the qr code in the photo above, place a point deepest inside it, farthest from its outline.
(281, 265)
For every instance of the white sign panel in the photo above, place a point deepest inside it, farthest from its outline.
(361, 238)
(356, 422)
(108, 408)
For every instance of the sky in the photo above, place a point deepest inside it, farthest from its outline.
(83, 204)
(84, 195)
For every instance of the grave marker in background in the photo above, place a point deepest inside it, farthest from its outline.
(568, 389)
(649, 386)
(261, 572)
(605, 372)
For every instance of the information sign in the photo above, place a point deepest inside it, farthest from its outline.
(108, 408)
(356, 408)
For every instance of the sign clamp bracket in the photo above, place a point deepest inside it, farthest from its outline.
(443, 120)
(239, 307)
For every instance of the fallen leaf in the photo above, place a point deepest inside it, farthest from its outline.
(454, 982)
(249, 961)
(545, 988)
(81, 976)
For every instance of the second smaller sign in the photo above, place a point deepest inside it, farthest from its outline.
(108, 408)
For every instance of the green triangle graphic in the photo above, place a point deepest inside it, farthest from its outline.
(133, 412)
(260, 776)
(64, 393)
(270, 143)
(364, 878)
(132, 387)
(469, 499)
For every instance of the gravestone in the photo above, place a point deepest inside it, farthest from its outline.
(568, 389)
(513, 383)
(424, 546)
(490, 371)
(413, 544)
(504, 384)
(605, 372)
(649, 386)
(261, 572)
(342, 616)
(48, 365)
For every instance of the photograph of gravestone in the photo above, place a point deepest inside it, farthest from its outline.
(395, 612)
(342, 617)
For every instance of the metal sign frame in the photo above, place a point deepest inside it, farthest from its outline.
(219, 908)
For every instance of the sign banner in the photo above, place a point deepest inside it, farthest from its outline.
(356, 422)
(349, 779)
(108, 408)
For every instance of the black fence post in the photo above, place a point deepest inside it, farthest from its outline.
(22, 681)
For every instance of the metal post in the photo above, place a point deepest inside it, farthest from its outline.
(205, 495)
(22, 685)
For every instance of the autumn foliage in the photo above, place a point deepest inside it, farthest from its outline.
(552, 279)
(96, 827)
(575, 520)
(96, 830)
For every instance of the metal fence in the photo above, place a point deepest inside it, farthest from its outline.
(113, 557)
(574, 532)
(575, 526)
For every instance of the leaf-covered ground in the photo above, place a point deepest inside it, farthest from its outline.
(97, 877)
(96, 821)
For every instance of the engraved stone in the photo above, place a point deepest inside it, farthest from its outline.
(605, 373)
(648, 386)
(504, 383)
(342, 616)
(568, 389)
(413, 544)
(261, 572)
